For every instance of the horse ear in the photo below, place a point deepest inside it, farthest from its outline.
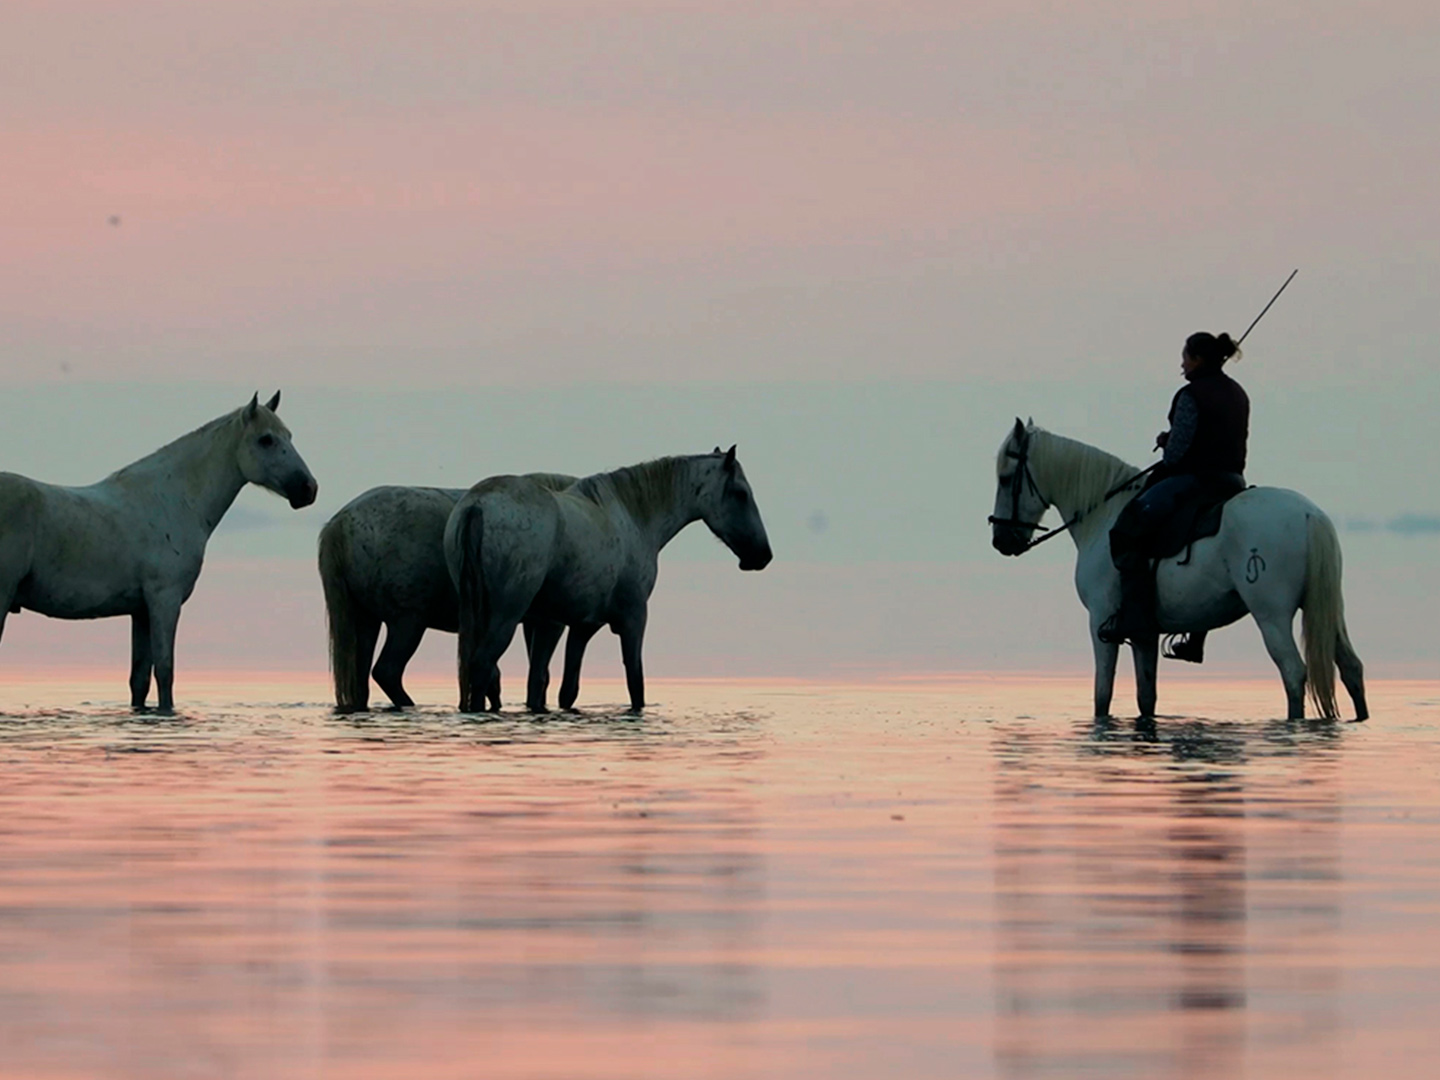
(251, 409)
(730, 458)
(717, 450)
(274, 403)
(1019, 432)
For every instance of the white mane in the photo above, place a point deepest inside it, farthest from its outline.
(1074, 475)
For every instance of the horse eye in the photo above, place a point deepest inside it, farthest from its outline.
(267, 440)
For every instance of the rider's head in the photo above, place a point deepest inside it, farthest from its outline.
(1204, 350)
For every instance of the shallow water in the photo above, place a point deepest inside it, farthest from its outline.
(963, 879)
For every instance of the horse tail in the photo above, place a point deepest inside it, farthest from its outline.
(1324, 621)
(347, 667)
(470, 586)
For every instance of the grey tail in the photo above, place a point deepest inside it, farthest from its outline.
(350, 670)
(471, 589)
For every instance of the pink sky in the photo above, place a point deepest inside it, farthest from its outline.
(594, 189)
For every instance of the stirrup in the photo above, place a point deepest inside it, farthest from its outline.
(1187, 647)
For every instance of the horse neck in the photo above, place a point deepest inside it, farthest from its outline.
(1075, 479)
(661, 496)
(200, 468)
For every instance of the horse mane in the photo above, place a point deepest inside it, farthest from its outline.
(1075, 473)
(175, 445)
(645, 489)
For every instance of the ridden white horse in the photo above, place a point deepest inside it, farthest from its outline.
(1276, 552)
(584, 557)
(133, 544)
(382, 561)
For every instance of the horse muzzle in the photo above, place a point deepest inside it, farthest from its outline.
(303, 493)
(1010, 541)
(756, 562)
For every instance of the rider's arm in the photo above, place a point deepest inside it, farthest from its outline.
(1182, 429)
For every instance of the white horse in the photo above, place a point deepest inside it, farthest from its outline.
(133, 544)
(584, 557)
(1276, 552)
(382, 561)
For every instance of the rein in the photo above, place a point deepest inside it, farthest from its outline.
(1022, 475)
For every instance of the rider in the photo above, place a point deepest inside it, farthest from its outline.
(1204, 456)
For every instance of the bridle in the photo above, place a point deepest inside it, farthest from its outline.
(1022, 479)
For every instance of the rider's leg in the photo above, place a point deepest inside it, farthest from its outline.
(1130, 541)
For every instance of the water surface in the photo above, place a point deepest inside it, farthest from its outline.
(959, 879)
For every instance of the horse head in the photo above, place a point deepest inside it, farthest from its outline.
(268, 458)
(732, 515)
(1019, 506)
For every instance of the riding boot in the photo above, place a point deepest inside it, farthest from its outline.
(1135, 621)
(1188, 647)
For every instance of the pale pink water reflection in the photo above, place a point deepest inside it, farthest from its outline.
(931, 879)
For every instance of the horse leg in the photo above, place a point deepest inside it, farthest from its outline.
(402, 638)
(574, 654)
(1106, 657)
(366, 628)
(481, 669)
(1147, 661)
(1352, 674)
(164, 617)
(632, 638)
(1280, 643)
(141, 663)
(543, 636)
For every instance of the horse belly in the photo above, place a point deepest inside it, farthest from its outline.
(573, 599)
(78, 596)
(83, 566)
(1197, 594)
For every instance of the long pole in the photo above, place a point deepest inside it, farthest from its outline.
(1268, 306)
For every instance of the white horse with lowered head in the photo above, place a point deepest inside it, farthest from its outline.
(133, 544)
(1276, 553)
(583, 557)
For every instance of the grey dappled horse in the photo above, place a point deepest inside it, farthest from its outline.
(133, 544)
(382, 562)
(584, 557)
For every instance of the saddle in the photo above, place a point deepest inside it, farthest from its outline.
(1194, 519)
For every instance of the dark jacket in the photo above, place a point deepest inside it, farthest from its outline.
(1209, 432)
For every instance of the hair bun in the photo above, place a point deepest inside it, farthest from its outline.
(1227, 347)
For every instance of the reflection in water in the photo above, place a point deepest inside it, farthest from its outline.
(755, 881)
(1178, 879)
(337, 887)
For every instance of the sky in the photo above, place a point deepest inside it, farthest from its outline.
(857, 238)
